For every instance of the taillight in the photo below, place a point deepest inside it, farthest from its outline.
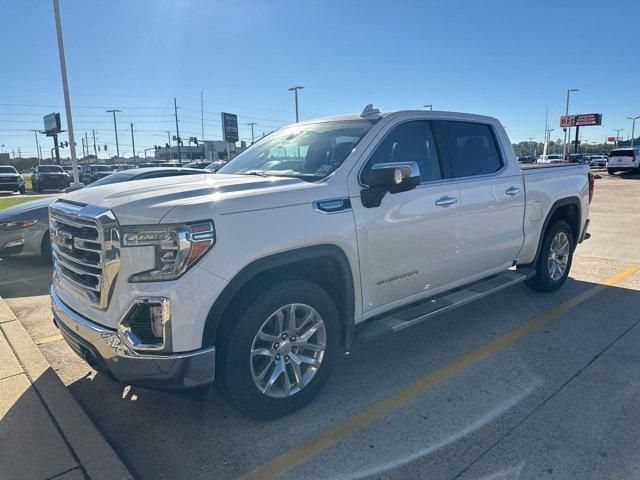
(592, 186)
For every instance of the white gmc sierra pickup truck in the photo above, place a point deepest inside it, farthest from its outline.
(262, 275)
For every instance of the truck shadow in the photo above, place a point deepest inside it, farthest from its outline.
(210, 438)
(24, 277)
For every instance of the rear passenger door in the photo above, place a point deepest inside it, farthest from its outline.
(492, 197)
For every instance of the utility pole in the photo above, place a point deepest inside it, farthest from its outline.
(86, 142)
(95, 149)
(115, 128)
(202, 114)
(295, 92)
(175, 109)
(617, 130)
(84, 154)
(429, 106)
(252, 135)
(65, 88)
(133, 142)
(633, 127)
(564, 148)
(19, 153)
(35, 132)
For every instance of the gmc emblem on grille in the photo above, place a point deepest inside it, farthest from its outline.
(62, 237)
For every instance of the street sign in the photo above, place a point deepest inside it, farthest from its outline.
(581, 120)
(52, 124)
(229, 127)
(614, 139)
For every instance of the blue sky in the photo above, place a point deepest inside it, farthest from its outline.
(505, 59)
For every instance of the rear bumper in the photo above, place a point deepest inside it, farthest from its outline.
(103, 349)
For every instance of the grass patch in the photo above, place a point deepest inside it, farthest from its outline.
(6, 202)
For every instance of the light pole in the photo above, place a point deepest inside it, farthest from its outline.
(252, 136)
(115, 128)
(617, 130)
(566, 114)
(133, 144)
(65, 89)
(295, 92)
(633, 127)
(429, 106)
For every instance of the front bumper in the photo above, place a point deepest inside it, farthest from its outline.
(10, 186)
(103, 349)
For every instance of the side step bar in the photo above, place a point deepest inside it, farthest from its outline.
(399, 320)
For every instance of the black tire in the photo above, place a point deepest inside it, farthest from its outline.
(542, 281)
(45, 247)
(611, 171)
(237, 335)
(22, 190)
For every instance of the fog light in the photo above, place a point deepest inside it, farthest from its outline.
(146, 325)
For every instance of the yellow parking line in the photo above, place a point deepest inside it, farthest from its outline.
(53, 338)
(343, 429)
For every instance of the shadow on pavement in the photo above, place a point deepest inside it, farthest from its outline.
(24, 277)
(175, 435)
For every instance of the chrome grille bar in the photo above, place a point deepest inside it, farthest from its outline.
(86, 249)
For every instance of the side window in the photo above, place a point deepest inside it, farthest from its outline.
(472, 148)
(408, 142)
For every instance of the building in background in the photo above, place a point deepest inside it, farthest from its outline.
(4, 158)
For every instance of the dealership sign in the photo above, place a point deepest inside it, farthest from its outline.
(229, 127)
(52, 124)
(614, 139)
(581, 120)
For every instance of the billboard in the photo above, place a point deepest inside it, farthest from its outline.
(581, 120)
(229, 127)
(614, 139)
(52, 123)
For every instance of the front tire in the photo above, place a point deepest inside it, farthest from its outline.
(611, 171)
(277, 351)
(554, 261)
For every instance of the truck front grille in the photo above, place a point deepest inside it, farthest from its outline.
(85, 246)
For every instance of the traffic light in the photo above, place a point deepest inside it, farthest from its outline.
(105, 148)
(166, 145)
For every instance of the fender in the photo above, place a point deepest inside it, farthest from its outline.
(278, 260)
(573, 200)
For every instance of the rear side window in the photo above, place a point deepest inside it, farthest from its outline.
(472, 148)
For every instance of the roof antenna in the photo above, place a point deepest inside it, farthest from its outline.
(371, 113)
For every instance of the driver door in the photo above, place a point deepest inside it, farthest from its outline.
(409, 244)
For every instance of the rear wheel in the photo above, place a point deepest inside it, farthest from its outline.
(611, 171)
(278, 355)
(554, 261)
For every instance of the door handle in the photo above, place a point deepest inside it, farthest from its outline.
(446, 201)
(512, 191)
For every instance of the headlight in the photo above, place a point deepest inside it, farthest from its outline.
(177, 247)
(15, 225)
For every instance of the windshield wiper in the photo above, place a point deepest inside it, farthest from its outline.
(259, 173)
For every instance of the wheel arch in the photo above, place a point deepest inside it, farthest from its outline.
(567, 209)
(325, 264)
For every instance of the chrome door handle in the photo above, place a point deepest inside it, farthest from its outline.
(512, 191)
(446, 201)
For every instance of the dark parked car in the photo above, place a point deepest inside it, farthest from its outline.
(527, 159)
(90, 173)
(10, 179)
(49, 177)
(24, 228)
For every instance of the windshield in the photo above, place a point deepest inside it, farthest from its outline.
(309, 151)
(8, 170)
(50, 168)
(621, 153)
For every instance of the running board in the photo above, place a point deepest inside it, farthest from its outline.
(412, 315)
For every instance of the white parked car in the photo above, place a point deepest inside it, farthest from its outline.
(551, 158)
(624, 160)
(262, 275)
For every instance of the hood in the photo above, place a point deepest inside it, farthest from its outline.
(149, 201)
(27, 208)
(7, 175)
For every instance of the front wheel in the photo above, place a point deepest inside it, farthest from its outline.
(611, 171)
(277, 356)
(22, 190)
(554, 261)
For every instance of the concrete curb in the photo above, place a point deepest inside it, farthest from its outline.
(95, 454)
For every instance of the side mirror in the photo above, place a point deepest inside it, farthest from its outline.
(392, 177)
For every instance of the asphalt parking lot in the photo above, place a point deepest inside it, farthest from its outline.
(519, 385)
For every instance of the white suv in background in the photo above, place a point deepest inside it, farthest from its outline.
(552, 158)
(624, 160)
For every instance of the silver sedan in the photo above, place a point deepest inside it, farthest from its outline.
(24, 229)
